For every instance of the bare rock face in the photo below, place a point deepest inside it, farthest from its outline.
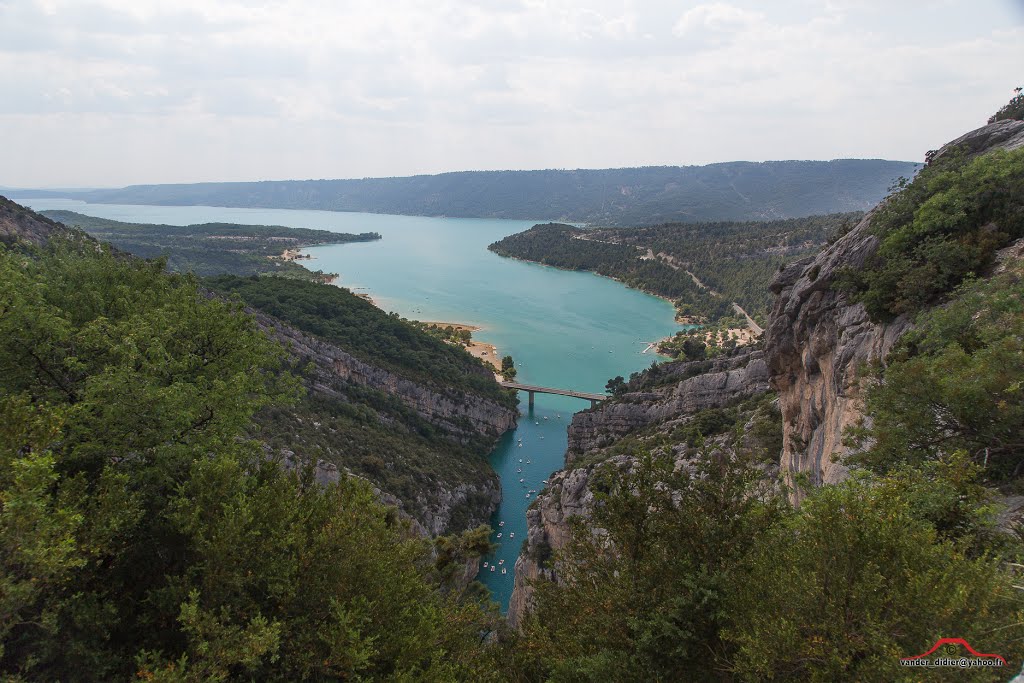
(460, 414)
(817, 340)
(721, 382)
(20, 224)
(684, 389)
(567, 495)
(816, 343)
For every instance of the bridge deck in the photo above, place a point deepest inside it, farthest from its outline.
(557, 392)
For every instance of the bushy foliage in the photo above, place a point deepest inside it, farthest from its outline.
(955, 383)
(141, 533)
(703, 573)
(366, 332)
(1013, 110)
(944, 226)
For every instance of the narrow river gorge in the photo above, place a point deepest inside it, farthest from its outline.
(567, 330)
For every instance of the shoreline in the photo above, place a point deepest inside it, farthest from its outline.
(488, 353)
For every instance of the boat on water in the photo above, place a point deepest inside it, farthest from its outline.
(520, 481)
(512, 535)
(485, 565)
(520, 444)
(529, 462)
(501, 561)
(504, 571)
(545, 417)
(492, 567)
(501, 523)
(544, 481)
(520, 459)
(499, 534)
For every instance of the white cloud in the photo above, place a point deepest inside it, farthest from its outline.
(123, 91)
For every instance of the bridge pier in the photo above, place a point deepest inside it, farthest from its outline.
(531, 399)
(593, 403)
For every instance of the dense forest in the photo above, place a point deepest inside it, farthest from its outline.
(733, 262)
(212, 248)
(143, 535)
(626, 196)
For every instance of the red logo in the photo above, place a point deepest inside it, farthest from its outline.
(951, 642)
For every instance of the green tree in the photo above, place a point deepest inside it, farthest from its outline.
(508, 368)
(616, 386)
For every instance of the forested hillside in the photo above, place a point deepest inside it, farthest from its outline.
(732, 262)
(212, 248)
(144, 535)
(625, 196)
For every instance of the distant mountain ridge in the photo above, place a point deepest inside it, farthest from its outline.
(737, 190)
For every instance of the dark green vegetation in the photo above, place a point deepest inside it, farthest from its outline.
(1012, 110)
(361, 428)
(143, 535)
(733, 261)
(626, 196)
(707, 573)
(955, 384)
(362, 329)
(213, 248)
(943, 227)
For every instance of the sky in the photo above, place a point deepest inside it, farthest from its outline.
(101, 93)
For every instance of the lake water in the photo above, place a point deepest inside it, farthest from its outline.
(565, 329)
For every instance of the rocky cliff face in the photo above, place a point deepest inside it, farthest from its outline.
(817, 340)
(680, 391)
(684, 389)
(461, 416)
(20, 224)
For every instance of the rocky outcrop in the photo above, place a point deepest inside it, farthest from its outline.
(818, 341)
(676, 392)
(19, 224)
(683, 388)
(461, 414)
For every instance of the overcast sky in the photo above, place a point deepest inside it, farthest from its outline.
(116, 92)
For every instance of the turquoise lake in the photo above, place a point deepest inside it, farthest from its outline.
(565, 329)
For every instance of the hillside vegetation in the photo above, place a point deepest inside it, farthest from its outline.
(142, 535)
(733, 262)
(625, 196)
(212, 248)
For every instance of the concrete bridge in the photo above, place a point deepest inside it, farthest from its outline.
(593, 398)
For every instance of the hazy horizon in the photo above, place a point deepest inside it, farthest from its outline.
(118, 93)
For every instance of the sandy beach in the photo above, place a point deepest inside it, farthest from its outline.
(485, 352)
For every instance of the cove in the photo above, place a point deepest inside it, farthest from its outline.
(569, 330)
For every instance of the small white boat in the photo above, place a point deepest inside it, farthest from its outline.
(529, 462)
(492, 567)
(520, 445)
(512, 535)
(536, 423)
(504, 571)
(527, 495)
(545, 417)
(520, 481)
(501, 561)
(502, 523)
(499, 535)
(544, 480)
(520, 459)
(485, 565)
